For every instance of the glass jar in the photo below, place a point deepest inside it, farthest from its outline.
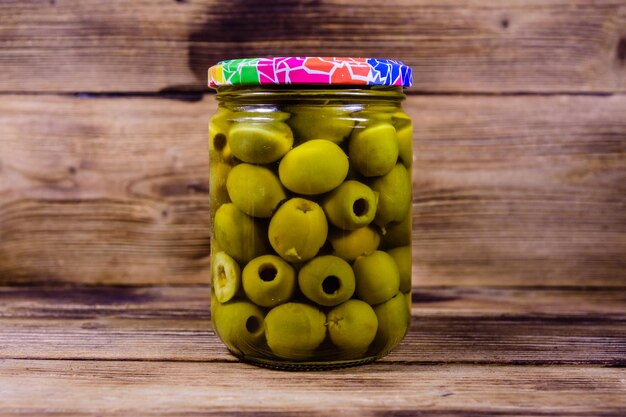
(310, 192)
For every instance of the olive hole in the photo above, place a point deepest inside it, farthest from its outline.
(331, 284)
(267, 272)
(221, 276)
(360, 207)
(304, 207)
(253, 324)
(219, 141)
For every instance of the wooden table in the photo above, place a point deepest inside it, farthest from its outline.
(519, 209)
(151, 351)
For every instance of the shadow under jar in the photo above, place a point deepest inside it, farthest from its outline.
(310, 189)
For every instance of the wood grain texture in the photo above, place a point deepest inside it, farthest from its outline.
(518, 190)
(233, 389)
(151, 351)
(531, 188)
(118, 187)
(519, 209)
(485, 326)
(472, 46)
(190, 302)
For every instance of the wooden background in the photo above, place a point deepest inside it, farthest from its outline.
(519, 210)
(520, 139)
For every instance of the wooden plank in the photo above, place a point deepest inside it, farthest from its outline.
(430, 340)
(104, 190)
(476, 46)
(145, 303)
(518, 190)
(165, 388)
(192, 303)
(531, 189)
(481, 326)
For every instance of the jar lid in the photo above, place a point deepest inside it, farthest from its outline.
(310, 70)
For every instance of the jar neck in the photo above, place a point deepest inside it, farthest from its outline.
(312, 94)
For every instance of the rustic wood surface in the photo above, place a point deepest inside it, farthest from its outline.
(520, 190)
(507, 326)
(231, 389)
(469, 46)
(519, 209)
(120, 351)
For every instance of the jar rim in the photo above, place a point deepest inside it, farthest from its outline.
(310, 71)
(306, 93)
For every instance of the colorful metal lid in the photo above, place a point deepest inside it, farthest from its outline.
(310, 70)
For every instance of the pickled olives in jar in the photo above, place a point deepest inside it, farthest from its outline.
(310, 203)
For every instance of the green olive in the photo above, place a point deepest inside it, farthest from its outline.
(332, 123)
(351, 244)
(403, 258)
(214, 303)
(394, 196)
(377, 277)
(238, 234)
(255, 190)
(294, 330)
(260, 142)
(351, 205)
(315, 167)
(240, 326)
(373, 149)
(404, 129)
(397, 233)
(393, 322)
(226, 276)
(268, 281)
(327, 280)
(218, 194)
(298, 229)
(219, 126)
(352, 326)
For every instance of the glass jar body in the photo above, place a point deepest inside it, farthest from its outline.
(310, 196)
